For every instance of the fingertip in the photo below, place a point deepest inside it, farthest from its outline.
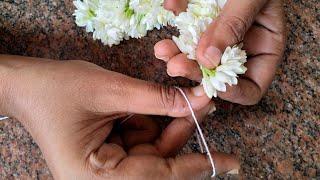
(177, 6)
(198, 98)
(225, 163)
(200, 167)
(166, 49)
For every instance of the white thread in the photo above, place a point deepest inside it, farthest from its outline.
(3, 118)
(199, 142)
(199, 131)
(127, 118)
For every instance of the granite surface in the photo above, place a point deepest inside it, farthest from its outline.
(279, 138)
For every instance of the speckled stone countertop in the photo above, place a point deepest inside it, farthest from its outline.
(277, 139)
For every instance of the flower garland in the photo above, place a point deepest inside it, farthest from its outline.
(112, 21)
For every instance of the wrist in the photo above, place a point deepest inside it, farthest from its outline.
(4, 88)
(5, 70)
(12, 69)
(8, 66)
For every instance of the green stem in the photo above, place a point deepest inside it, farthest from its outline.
(207, 72)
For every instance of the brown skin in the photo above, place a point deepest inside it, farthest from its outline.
(71, 109)
(258, 24)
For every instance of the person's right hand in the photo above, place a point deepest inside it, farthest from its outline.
(258, 23)
(71, 109)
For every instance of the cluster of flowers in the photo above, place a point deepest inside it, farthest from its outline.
(191, 24)
(111, 21)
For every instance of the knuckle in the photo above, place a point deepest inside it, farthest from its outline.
(249, 99)
(163, 44)
(170, 101)
(182, 70)
(238, 95)
(189, 122)
(167, 98)
(236, 26)
(105, 161)
(178, 71)
(232, 94)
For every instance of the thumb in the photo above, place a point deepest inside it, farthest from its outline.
(197, 166)
(227, 30)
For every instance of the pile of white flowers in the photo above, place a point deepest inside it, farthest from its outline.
(111, 21)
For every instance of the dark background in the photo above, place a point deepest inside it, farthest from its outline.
(276, 139)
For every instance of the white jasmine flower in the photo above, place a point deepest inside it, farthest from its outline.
(148, 14)
(232, 64)
(208, 88)
(107, 33)
(85, 13)
(111, 21)
(153, 12)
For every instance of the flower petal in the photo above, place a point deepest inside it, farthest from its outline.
(208, 88)
(220, 86)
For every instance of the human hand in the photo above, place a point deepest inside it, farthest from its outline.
(73, 110)
(258, 24)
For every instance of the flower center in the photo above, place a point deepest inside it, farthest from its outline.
(91, 13)
(208, 72)
(127, 10)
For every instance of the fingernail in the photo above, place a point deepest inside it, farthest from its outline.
(233, 171)
(164, 58)
(213, 109)
(169, 73)
(213, 55)
(198, 91)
